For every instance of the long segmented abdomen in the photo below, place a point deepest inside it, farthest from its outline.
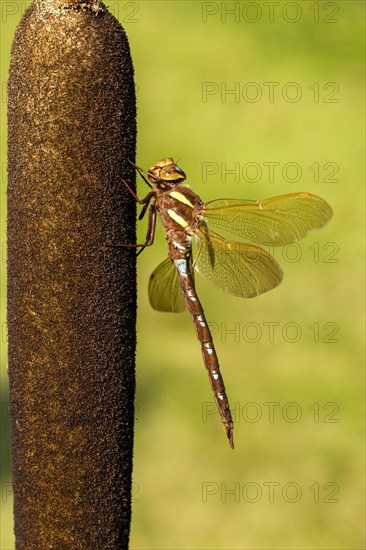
(208, 349)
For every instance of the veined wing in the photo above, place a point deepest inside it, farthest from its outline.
(240, 269)
(164, 290)
(275, 221)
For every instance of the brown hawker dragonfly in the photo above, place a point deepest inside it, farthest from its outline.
(241, 269)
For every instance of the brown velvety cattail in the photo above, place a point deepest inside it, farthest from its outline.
(71, 299)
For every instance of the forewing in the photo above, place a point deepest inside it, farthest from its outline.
(275, 221)
(164, 290)
(236, 268)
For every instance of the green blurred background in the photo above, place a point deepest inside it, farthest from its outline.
(292, 359)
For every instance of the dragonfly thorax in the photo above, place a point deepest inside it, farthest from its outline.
(166, 171)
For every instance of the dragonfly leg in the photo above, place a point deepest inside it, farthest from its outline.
(145, 200)
(150, 234)
(140, 170)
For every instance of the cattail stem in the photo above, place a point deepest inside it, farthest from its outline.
(71, 299)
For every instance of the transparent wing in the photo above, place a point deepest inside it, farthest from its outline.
(240, 269)
(164, 290)
(275, 221)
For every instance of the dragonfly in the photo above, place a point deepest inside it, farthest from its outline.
(242, 269)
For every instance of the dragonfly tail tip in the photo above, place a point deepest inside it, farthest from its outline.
(230, 435)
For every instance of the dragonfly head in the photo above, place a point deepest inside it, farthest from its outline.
(166, 171)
